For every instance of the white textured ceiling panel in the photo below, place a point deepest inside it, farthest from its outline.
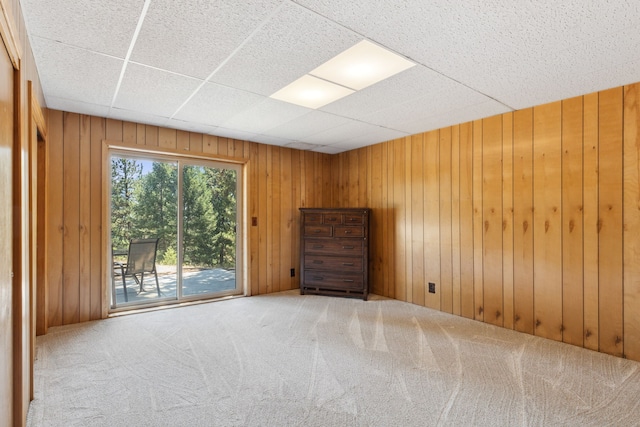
(350, 130)
(264, 65)
(82, 76)
(77, 106)
(213, 104)
(264, 115)
(154, 91)
(209, 66)
(100, 26)
(307, 125)
(194, 38)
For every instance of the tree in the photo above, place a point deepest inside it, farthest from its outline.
(197, 217)
(125, 176)
(223, 199)
(157, 207)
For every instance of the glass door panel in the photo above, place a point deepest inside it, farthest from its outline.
(209, 223)
(143, 206)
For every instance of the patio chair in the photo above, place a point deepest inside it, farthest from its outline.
(141, 259)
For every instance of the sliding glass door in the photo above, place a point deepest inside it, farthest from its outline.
(174, 229)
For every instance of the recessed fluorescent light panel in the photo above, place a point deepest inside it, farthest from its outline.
(356, 68)
(311, 92)
(362, 65)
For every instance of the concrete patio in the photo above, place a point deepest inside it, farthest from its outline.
(196, 281)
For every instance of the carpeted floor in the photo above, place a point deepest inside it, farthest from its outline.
(289, 360)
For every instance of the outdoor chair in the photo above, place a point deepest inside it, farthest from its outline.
(141, 259)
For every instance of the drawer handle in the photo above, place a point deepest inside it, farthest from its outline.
(317, 261)
(347, 247)
(348, 280)
(347, 263)
(333, 218)
(347, 231)
(318, 246)
(353, 219)
(318, 278)
(317, 230)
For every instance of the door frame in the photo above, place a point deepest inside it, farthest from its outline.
(137, 150)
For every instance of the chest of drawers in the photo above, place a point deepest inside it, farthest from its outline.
(334, 252)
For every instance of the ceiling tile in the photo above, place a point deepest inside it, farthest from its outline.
(329, 149)
(194, 38)
(293, 43)
(154, 91)
(350, 130)
(309, 124)
(100, 26)
(264, 115)
(214, 104)
(80, 107)
(69, 78)
(137, 117)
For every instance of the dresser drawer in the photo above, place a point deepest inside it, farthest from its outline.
(344, 231)
(338, 280)
(332, 218)
(313, 218)
(322, 262)
(318, 230)
(353, 219)
(333, 247)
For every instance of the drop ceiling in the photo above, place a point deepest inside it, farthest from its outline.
(210, 66)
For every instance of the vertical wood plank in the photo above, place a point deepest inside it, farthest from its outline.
(391, 222)
(114, 130)
(523, 220)
(296, 204)
(98, 130)
(84, 260)
(547, 200)
(71, 212)
(492, 220)
(129, 132)
(253, 187)
(182, 140)
(223, 146)
(507, 219)
(55, 217)
(167, 138)
(327, 186)
(286, 219)
(141, 134)
(263, 220)
(572, 208)
(590, 218)
(399, 165)
(270, 217)
(610, 213)
(210, 144)
(151, 135)
(417, 219)
(275, 223)
(631, 227)
(376, 279)
(455, 219)
(195, 142)
(446, 265)
(432, 216)
(478, 226)
(467, 305)
(387, 212)
(408, 231)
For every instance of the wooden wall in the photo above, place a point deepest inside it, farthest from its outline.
(527, 220)
(280, 180)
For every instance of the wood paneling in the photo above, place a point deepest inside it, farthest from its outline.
(522, 218)
(74, 206)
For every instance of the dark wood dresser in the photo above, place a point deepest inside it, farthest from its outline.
(334, 252)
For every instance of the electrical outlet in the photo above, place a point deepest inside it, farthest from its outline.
(432, 288)
(293, 272)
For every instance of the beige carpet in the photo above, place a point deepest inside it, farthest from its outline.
(290, 360)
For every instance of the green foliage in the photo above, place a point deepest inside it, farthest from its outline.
(170, 257)
(125, 179)
(147, 206)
